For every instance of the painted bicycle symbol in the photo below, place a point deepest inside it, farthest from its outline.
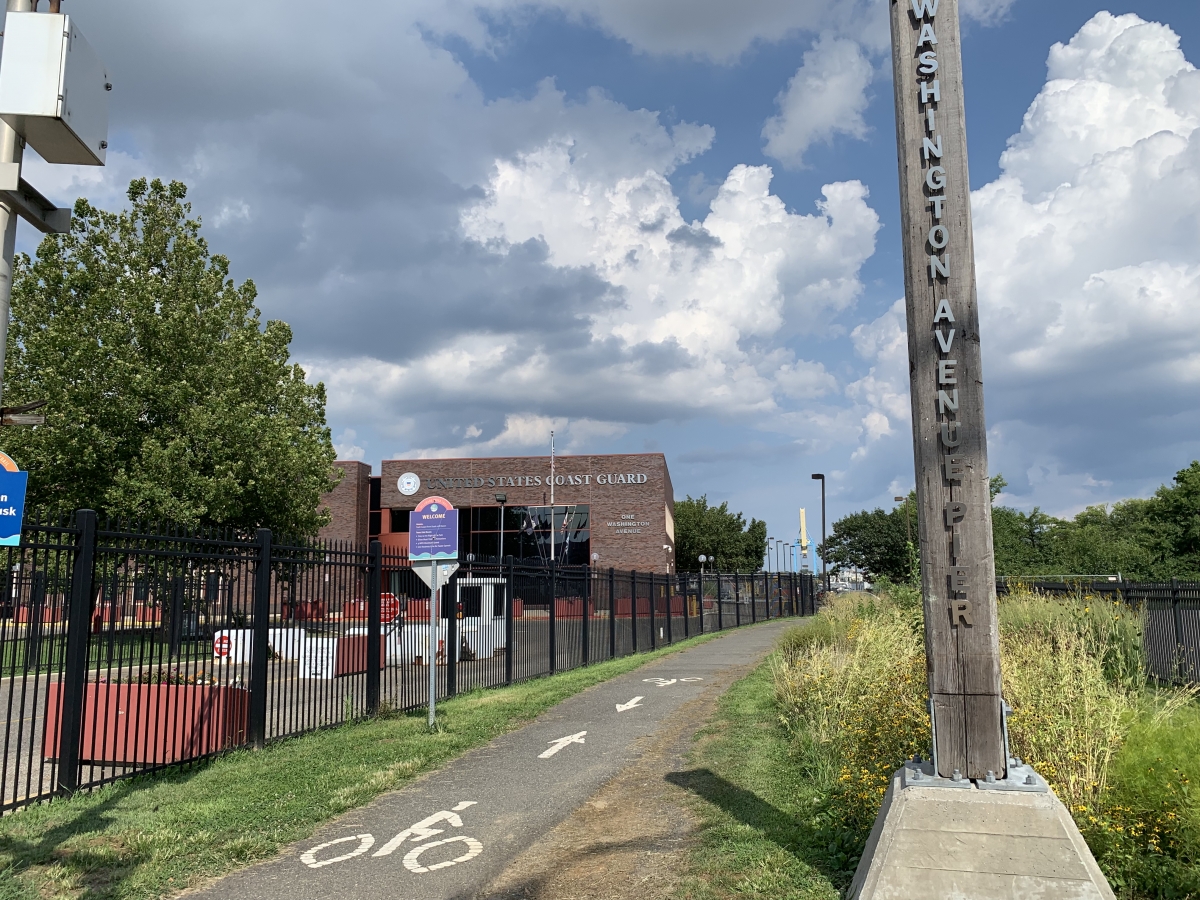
(412, 858)
(667, 682)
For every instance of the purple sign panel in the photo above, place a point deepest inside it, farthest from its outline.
(433, 531)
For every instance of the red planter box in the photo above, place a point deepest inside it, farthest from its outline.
(356, 610)
(106, 614)
(352, 655)
(309, 611)
(49, 613)
(148, 615)
(568, 608)
(643, 607)
(419, 609)
(624, 605)
(152, 724)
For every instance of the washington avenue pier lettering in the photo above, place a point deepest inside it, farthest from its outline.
(949, 439)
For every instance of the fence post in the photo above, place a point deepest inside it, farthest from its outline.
(175, 625)
(37, 612)
(74, 680)
(687, 625)
(754, 598)
(553, 615)
(508, 624)
(653, 625)
(258, 655)
(737, 599)
(633, 609)
(1179, 660)
(587, 614)
(612, 613)
(374, 624)
(450, 602)
(699, 601)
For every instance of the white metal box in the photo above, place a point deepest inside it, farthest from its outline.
(54, 89)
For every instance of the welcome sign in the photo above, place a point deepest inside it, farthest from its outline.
(433, 531)
(13, 483)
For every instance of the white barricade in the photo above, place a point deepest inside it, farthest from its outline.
(233, 645)
(288, 643)
(318, 657)
(414, 641)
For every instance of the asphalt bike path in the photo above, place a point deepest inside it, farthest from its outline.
(447, 835)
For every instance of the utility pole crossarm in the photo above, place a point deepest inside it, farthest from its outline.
(29, 204)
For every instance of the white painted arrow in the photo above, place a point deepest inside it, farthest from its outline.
(555, 746)
(636, 701)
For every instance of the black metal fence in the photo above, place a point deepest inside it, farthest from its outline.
(1171, 616)
(123, 652)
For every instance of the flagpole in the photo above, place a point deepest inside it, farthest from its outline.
(553, 530)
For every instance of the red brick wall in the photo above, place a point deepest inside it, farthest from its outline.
(628, 517)
(348, 504)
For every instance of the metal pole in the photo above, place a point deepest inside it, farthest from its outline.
(74, 681)
(653, 626)
(374, 624)
(824, 537)
(260, 639)
(587, 614)
(12, 148)
(553, 533)
(502, 533)
(612, 613)
(1177, 615)
(509, 643)
(431, 660)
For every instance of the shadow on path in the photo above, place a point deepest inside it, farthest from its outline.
(806, 841)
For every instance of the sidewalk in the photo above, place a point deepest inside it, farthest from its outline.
(448, 835)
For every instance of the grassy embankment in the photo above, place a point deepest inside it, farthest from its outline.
(152, 837)
(791, 773)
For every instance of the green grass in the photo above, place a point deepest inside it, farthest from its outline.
(151, 837)
(761, 831)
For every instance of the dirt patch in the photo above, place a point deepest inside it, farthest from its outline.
(627, 841)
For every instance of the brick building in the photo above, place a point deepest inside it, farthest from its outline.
(614, 511)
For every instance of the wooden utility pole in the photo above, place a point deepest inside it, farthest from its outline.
(949, 439)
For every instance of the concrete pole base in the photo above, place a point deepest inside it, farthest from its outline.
(931, 843)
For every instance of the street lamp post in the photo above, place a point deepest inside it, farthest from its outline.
(501, 499)
(907, 523)
(824, 566)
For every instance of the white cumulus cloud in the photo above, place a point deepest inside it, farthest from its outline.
(1088, 254)
(826, 97)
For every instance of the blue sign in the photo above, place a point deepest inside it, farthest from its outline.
(433, 531)
(12, 501)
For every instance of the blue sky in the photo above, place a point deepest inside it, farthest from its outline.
(672, 226)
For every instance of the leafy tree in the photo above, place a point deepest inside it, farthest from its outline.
(1176, 509)
(875, 542)
(168, 398)
(718, 534)
(1143, 540)
(1022, 542)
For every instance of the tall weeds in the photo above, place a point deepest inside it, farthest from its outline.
(851, 687)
